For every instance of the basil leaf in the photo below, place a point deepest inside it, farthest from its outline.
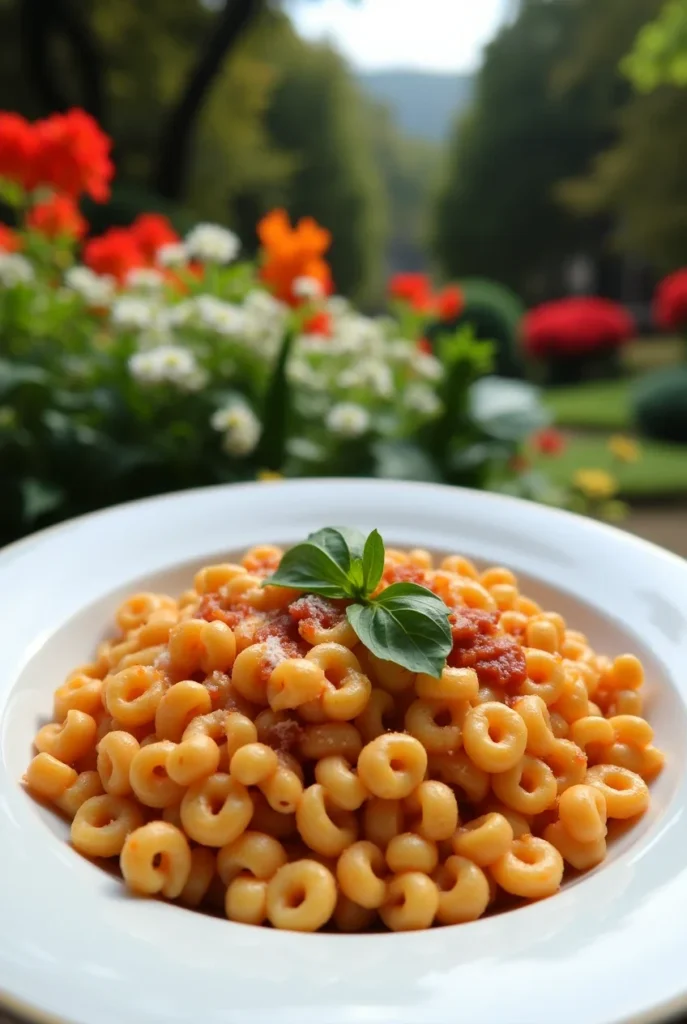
(308, 567)
(406, 624)
(340, 543)
(356, 574)
(373, 561)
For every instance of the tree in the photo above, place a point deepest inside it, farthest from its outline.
(640, 180)
(319, 120)
(497, 214)
(659, 56)
(409, 170)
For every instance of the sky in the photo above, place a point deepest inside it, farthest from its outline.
(432, 35)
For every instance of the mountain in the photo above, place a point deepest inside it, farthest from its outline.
(424, 105)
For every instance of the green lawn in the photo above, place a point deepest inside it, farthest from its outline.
(607, 405)
(661, 472)
(600, 405)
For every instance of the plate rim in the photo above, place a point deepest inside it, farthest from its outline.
(14, 1005)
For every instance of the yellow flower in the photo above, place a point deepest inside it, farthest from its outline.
(624, 448)
(595, 483)
(266, 476)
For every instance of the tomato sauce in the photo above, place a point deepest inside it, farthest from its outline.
(497, 658)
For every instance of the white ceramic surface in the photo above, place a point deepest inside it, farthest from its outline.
(75, 948)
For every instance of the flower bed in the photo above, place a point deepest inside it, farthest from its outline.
(137, 361)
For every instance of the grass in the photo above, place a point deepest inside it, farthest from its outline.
(661, 471)
(607, 405)
(599, 405)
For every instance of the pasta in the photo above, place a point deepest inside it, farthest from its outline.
(240, 751)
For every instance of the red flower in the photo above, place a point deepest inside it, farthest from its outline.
(576, 326)
(320, 323)
(74, 155)
(425, 347)
(450, 302)
(152, 231)
(413, 289)
(58, 217)
(116, 253)
(9, 240)
(18, 148)
(548, 442)
(670, 302)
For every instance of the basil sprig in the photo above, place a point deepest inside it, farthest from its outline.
(405, 623)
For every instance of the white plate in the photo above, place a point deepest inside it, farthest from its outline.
(74, 947)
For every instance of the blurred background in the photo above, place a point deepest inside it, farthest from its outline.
(526, 150)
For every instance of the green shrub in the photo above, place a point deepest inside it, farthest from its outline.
(494, 312)
(660, 404)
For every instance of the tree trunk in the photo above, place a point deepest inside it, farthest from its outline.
(41, 21)
(170, 175)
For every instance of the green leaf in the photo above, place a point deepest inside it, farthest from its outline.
(311, 568)
(356, 574)
(406, 624)
(404, 460)
(373, 561)
(342, 543)
(507, 410)
(38, 498)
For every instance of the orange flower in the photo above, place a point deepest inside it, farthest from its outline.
(9, 240)
(290, 253)
(57, 217)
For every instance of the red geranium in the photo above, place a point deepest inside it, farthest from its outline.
(320, 323)
(58, 217)
(414, 289)
(116, 253)
(670, 302)
(152, 231)
(425, 347)
(9, 240)
(548, 442)
(576, 326)
(74, 155)
(450, 302)
(18, 148)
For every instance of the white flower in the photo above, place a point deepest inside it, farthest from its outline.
(167, 364)
(14, 270)
(307, 288)
(130, 312)
(421, 398)
(302, 373)
(173, 254)
(179, 313)
(145, 279)
(314, 344)
(96, 290)
(264, 321)
(337, 306)
(357, 334)
(400, 351)
(211, 243)
(240, 426)
(370, 373)
(426, 366)
(348, 419)
(220, 316)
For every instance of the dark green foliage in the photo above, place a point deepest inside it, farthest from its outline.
(660, 405)
(498, 214)
(494, 313)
